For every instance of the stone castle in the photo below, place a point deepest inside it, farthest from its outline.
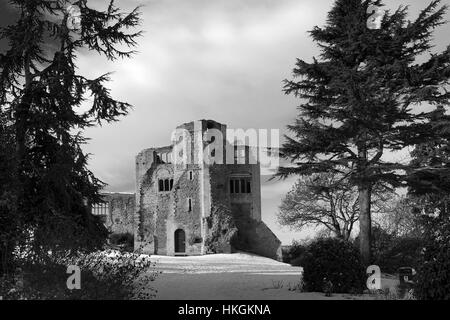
(194, 207)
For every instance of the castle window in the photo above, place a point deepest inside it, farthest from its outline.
(189, 204)
(243, 186)
(165, 185)
(240, 185)
(100, 209)
(191, 175)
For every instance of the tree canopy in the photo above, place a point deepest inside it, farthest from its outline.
(46, 103)
(361, 98)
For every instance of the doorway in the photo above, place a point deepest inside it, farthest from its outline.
(180, 241)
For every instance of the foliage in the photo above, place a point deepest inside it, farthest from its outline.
(433, 279)
(9, 230)
(333, 263)
(429, 184)
(45, 101)
(391, 252)
(123, 240)
(104, 275)
(359, 98)
(295, 253)
(222, 230)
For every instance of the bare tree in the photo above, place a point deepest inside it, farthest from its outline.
(321, 200)
(400, 217)
(327, 200)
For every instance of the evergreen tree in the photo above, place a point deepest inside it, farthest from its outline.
(360, 98)
(8, 183)
(430, 173)
(429, 186)
(48, 102)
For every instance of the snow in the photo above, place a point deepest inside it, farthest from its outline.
(238, 276)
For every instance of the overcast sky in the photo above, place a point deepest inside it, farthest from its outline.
(207, 59)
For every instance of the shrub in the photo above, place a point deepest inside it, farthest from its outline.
(335, 263)
(294, 253)
(106, 274)
(124, 240)
(390, 252)
(401, 252)
(433, 276)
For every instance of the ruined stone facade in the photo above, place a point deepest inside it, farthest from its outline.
(117, 212)
(175, 202)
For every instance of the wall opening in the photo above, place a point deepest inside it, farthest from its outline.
(101, 210)
(180, 241)
(165, 185)
(240, 185)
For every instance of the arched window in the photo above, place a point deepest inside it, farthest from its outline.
(165, 185)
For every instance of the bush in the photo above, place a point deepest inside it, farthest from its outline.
(335, 263)
(433, 276)
(391, 252)
(294, 253)
(401, 252)
(109, 274)
(124, 240)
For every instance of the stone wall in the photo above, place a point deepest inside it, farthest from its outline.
(159, 215)
(120, 215)
(180, 217)
(253, 235)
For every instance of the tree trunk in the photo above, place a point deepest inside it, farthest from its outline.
(365, 223)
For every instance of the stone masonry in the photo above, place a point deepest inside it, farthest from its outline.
(175, 201)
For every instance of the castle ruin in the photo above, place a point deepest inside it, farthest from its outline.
(194, 207)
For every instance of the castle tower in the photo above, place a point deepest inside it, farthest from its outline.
(178, 193)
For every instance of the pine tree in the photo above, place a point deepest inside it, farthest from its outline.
(8, 183)
(430, 172)
(429, 187)
(361, 97)
(47, 98)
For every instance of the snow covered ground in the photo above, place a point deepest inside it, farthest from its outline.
(237, 276)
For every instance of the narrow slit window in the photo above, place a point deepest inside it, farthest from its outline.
(191, 175)
(231, 186)
(236, 186)
(161, 185)
(171, 184)
(189, 205)
(166, 185)
(249, 188)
